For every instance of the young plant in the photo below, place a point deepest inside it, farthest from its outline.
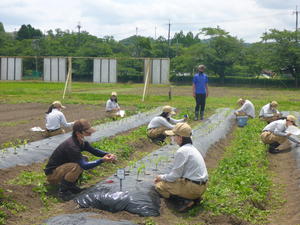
(139, 171)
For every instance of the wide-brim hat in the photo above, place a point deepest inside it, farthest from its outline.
(240, 100)
(83, 125)
(274, 104)
(114, 93)
(181, 129)
(169, 109)
(57, 104)
(291, 118)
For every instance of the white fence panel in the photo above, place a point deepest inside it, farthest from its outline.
(105, 71)
(11, 68)
(159, 70)
(55, 69)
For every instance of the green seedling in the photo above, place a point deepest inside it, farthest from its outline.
(25, 143)
(140, 170)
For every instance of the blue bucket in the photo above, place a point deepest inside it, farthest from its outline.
(242, 120)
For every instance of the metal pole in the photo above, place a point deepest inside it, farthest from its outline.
(169, 30)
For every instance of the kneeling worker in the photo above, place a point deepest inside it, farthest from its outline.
(55, 119)
(269, 112)
(188, 177)
(275, 134)
(67, 163)
(246, 108)
(159, 124)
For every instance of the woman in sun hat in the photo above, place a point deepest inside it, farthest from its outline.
(159, 124)
(55, 119)
(112, 107)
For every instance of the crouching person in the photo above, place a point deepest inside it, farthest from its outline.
(159, 124)
(275, 134)
(246, 108)
(67, 163)
(269, 112)
(188, 177)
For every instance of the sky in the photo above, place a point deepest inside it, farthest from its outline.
(244, 19)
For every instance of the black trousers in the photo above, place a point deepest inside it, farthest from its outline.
(200, 102)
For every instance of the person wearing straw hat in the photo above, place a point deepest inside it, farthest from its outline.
(269, 112)
(188, 177)
(200, 91)
(159, 124)
(112, 107)
(277, 134)
(67, 163)
(246, 108)
(55, 119)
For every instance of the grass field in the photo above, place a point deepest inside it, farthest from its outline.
(241, 185)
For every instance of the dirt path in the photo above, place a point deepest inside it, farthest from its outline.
(286, 177)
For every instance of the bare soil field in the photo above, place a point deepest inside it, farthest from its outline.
(17, 119)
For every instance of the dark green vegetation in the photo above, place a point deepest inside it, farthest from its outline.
(240, 185)
(225, 55)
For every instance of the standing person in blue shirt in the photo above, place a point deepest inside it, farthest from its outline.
(200, 91)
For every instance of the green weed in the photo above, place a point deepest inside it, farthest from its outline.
(239, 186)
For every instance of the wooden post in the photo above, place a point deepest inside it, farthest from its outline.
(146, 79)
(68, 82)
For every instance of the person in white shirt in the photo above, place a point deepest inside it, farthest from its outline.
(269, 112)
(188, 176)
(246, 108)
(55, 119)
(159, 124)
(112, 107)
(275, 134)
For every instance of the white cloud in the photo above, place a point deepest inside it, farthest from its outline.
(246, 19)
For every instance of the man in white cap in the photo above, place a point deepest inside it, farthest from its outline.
(277, 136)
(246, 108)
(159, 124)
(188, 177)
(55, 119)
(269, 112)
(67, 163)
(200, 91)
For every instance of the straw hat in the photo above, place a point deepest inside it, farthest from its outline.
(57, 104)
(181, 129)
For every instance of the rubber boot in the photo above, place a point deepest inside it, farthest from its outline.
(201, 115)
(272, 148)
(196, 115)
(67, 190)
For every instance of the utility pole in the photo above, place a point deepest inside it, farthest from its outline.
(296, 12)
(136, 31)
(78, 27)
(169, 30)
(155, 33)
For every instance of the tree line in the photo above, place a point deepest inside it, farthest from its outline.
(277, 53)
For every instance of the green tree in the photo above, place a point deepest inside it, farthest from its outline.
(221, 52)
(284, 52)
(28, 32)
(1, 28)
